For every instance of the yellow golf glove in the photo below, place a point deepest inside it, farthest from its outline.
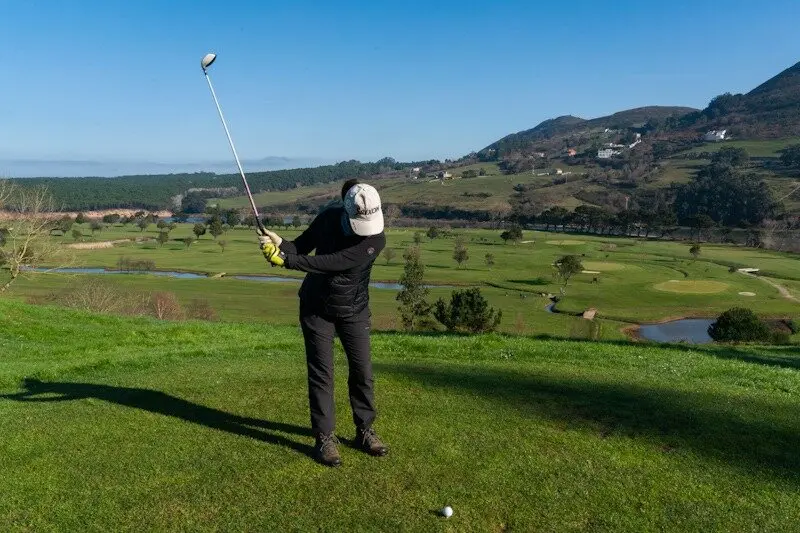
(272, 254)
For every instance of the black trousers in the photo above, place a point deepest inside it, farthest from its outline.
(318, 332)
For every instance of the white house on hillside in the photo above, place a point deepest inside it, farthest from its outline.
(607, 153)
(715, 135)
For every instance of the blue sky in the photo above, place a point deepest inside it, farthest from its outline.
(120, 80)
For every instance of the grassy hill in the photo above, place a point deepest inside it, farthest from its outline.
(135, 424)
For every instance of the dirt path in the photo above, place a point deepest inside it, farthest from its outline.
(781, 289)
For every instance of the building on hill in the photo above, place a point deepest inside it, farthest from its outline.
(607, 153)
(715, 135)
(571, 152)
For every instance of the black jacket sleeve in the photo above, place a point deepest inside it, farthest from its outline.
(363, 252)
(305, 243)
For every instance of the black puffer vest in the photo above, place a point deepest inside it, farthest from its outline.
(339, 294)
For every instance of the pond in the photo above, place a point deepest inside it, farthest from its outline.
(690, 330)
(190, 275)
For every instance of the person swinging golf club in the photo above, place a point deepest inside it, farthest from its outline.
(334, 299)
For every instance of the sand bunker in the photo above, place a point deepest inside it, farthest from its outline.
(590, 272)
(691, 287)
(747, 294)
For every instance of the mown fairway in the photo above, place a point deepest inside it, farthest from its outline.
(636, 280)
(140, 425)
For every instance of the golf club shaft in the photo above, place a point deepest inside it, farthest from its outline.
(235, 155)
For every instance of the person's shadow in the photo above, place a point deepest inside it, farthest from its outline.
(165, 404)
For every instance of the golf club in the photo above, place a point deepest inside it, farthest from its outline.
(206, 62)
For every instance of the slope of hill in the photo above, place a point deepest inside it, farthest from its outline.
(135, 424)
(770, 110)
(569, 125)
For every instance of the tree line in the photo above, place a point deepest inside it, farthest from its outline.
(155, 192)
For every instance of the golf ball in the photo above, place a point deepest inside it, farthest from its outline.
(447, 512)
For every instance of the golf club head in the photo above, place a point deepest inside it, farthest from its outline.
(207, 60)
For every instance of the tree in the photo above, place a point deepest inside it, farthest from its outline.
(80, 219)
(171, 226)
(112, 218)
(489, 260)
(417, 237)
(222, 244)
(187, 241)
(513, 233)
(215, 227)
(568, 266)
(433, 232)
(77, 235)
(468, 311)
(414, 309)
(695, 250)
(739, 325)
(730, 156)
(790, 156)
(162, 224)
(296, 222)
(26, 243)
(163, 238)
(249, 221)
(65, 224)
(142, 223)
(388, 254)
(460, 252)
(193, 203)
(199, 230)
(727, 196)
(233, 217)
(96, 225)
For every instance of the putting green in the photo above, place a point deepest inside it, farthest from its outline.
(603, 266)
(691, 287)
(566, 243)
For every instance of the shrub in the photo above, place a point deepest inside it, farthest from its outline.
(469, 311)
(781, 338)
(165, 306)
(793, 326)
(100, 296)
(201, 309)
(739, 325)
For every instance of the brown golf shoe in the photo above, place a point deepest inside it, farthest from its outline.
(368, 441)
(326, 450)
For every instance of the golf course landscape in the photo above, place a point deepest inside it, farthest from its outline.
(511, 267)
(628, 281)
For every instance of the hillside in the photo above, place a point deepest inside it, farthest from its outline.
(569, 125)
(193, 426)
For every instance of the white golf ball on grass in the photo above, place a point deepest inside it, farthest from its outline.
(447, 512)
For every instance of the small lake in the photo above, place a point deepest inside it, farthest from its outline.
(190, 275)
(690, 330)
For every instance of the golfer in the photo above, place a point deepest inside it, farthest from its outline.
(334, 299)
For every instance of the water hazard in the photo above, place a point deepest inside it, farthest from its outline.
(191, 275)
(689, 330)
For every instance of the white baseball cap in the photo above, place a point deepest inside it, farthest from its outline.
(363, 206)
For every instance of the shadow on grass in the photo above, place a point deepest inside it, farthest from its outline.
(740, 432)
(167, 405)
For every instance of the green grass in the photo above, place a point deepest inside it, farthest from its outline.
(139, 425)
(626, 291)
(460, 192)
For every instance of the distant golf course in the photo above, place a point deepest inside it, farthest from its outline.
(628, 281)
